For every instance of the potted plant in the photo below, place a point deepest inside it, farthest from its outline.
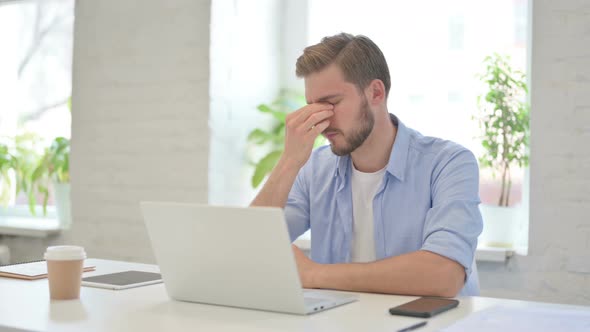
(273, 139)
(53, 167)
(504, 120)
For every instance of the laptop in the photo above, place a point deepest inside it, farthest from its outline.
(231, 256)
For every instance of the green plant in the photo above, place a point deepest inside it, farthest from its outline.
(6, 164)
(25, 159)
(504, 119)
(274, 138)
(33, 170)
(54, 165)
(19, 155)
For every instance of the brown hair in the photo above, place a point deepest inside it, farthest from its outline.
(360, 60)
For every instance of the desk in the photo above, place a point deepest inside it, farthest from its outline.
(26, 305)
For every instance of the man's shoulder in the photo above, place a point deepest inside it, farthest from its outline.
(436, 147)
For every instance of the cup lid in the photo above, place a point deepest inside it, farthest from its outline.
(65, 253)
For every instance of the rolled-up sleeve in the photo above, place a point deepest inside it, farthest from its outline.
(297, 207)
(454, 222)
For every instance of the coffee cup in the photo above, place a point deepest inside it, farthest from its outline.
(64, 271)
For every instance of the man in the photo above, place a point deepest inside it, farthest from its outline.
(390, 211)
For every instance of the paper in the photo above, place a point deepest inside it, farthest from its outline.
(31, 270)
(537, 317)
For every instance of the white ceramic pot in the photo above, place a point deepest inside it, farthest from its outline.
(499, 225)
(62, 204)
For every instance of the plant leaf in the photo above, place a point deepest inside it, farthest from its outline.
(265, 166)
(280, 116)
(259, 136)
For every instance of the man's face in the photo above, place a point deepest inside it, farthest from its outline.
(353, 118)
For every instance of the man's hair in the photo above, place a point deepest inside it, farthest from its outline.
(360, 60)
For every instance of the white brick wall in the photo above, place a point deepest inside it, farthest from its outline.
(140, 117)
(558, 266)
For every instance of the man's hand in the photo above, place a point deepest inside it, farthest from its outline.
(302, 128)
(306, 267)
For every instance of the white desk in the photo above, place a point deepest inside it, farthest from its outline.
(25, 305)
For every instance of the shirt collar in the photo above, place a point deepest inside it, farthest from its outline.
(397, 159)
(341, 165)
(399, 153)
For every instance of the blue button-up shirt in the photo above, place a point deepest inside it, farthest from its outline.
(428, 200)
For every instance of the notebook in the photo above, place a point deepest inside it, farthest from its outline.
(31, 270)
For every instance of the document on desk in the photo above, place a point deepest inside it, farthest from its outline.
(538, 318)
(31, 270)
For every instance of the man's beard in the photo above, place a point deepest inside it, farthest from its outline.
(359, 135)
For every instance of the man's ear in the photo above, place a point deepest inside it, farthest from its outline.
(375, 92)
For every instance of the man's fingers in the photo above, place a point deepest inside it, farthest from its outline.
(318, 128)
(303, 114)
(314, 119)
(301, 130)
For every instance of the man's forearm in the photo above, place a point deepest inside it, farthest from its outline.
(276, 189)
(419, 273)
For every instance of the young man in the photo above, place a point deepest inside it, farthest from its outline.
(390, 211)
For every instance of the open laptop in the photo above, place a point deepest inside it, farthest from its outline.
(239, 257)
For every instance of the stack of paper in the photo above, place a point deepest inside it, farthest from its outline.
(536, 318)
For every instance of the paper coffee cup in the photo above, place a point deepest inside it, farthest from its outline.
(64, 271)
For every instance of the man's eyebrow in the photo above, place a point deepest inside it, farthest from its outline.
(325, 99)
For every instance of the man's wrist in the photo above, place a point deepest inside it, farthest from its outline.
(318, 274)
(288, 165)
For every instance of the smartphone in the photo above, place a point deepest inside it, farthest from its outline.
(424, 307)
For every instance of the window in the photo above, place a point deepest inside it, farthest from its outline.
(36, 66)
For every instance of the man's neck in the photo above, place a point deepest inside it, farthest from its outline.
(373, 154)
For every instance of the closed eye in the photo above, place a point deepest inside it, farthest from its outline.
(330, 99)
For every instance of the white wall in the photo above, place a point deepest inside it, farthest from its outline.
(557, 268)
(294, 32)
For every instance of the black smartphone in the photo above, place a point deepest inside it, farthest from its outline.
(424, 307)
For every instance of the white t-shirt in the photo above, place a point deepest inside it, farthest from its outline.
(364, 188)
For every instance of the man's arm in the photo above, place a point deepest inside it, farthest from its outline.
(302, 128)
(420, 273)
(276, 189)
(450, 233)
